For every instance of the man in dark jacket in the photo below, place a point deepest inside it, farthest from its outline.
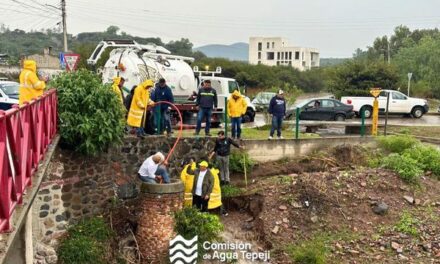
(222, 150)
(162, 92)
(206, 102)
(277, 108)
(202, 187)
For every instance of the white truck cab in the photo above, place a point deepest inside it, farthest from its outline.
(224, 88)
(399, 103)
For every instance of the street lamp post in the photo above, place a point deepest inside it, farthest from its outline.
(409, 81)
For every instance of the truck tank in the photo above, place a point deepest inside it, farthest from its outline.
(135, 68)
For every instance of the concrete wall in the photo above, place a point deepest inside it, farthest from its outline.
(265, 150)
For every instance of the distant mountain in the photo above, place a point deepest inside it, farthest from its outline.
(237, 51)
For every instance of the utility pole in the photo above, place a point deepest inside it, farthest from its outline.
(63, 14)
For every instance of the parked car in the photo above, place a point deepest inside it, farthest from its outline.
(8, 94)
(324, 109)
(262, 100)
(398, 104)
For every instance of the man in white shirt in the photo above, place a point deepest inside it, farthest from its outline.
(153, 169)
(202, 187)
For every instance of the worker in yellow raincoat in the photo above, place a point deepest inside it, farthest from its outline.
(118, 83)
(139, 104)
(237, 107)
(215, 200)
(187, 177)
(30, 85)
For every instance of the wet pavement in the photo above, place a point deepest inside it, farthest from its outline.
(394, 120)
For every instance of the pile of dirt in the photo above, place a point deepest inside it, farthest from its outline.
(328, 194)
(298, 207)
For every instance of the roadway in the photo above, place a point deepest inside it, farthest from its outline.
(426, 120)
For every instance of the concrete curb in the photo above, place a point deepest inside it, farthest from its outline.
(21, 211)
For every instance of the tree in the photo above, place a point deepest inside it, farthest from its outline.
(423, 60)
(91, 115)
(358, 77)
(112, 30)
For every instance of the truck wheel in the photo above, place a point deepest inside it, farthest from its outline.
(246, 118)
(368, 110)
(249, 116)
(339, 117)
(417, 112)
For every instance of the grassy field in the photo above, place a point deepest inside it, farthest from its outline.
(254, 133)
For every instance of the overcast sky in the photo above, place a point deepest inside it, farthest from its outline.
(335, 27)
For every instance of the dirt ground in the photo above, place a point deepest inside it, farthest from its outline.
(331, 194)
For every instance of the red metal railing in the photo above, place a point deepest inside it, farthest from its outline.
(25, 134)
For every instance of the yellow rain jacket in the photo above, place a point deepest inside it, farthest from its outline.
(30, 86)
(236, 107)
(139, 103)
(215, 200)
(188, 180)
(116, 89)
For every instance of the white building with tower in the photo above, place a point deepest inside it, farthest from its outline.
(276, 51)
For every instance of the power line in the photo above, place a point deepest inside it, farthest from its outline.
(200, 21)
(33, 7)
(233, 20)
(25, 13)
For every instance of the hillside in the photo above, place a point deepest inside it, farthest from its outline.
(237, 51)
(17, 42)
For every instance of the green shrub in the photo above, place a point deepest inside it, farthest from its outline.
(86, 242)
(397, 143)
(236, 163)
(405, 166)
(428, 157)
(310, 252)
(190, 222)
(95, 228)
(81, 250)
(230, 191)
(90, 113)
(407, 224)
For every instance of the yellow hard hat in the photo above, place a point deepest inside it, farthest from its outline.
(203, 164)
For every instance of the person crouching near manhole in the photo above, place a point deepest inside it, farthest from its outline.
(154, 170)
(202, 187)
